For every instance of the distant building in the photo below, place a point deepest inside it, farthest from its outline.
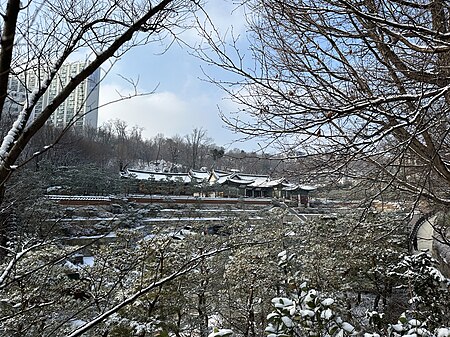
(231, 184)
(80, 108)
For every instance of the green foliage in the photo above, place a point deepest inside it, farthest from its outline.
(39, 296)
(303, 311)
(85, 180)
(428, 289)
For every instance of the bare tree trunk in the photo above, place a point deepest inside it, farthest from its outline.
(203, 315)
(3, 225)
(250, 326)
(7, 44)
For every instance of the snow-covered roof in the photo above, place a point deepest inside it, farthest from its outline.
(221, 173)
(199, 175)
(254, 177)
(221, 180)
(78, 197)
(307, 187)
(254, 181)
(158, 176)
(267, 183)
(218, 177)
(238, 181)
(294, 187)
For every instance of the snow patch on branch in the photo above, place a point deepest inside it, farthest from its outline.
(221, 333)
(17, 126)
(15, 258)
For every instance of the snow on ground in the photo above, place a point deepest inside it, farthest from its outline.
(92, 237)
(76, 323)
(199, 219)
(88, 260)
(211, 210)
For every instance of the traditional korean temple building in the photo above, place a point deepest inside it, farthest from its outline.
(234, 184)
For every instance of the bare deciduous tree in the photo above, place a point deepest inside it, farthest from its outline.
(362, 88)
(197, 140)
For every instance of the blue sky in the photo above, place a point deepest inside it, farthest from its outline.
(182, 100)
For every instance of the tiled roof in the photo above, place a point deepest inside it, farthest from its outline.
(221, 177)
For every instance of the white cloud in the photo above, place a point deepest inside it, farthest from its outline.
(163, 112)
(183, 102)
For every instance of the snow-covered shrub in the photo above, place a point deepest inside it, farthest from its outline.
(429, 290)
(308, 315)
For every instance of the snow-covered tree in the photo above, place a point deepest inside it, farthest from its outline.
(127, 287)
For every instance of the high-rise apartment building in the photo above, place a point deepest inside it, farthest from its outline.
(79, 109)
